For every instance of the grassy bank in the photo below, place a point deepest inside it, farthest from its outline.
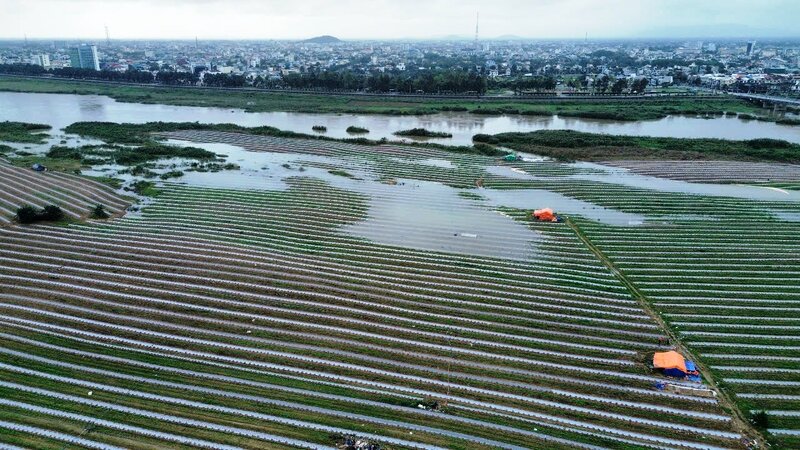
(575, 145)
(270, 101)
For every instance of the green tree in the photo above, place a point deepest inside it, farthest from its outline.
(27, 214)
(99, 212)
(619, 86)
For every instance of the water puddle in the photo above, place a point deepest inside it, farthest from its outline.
(787, 216)
(625, 177)
(511, 172)
(531, 199)
(431, 216)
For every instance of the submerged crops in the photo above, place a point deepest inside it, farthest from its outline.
(249, 317)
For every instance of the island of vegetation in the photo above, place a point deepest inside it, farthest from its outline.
(422, 132)
(356, 130)
(572, 145)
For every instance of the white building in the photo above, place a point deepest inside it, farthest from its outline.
(42, 59)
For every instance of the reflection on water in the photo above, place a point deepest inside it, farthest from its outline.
(431, 216)
(625, 177)
(60, 110)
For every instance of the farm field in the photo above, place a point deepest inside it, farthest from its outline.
(76, 196)
(714, 171)
(400, 295)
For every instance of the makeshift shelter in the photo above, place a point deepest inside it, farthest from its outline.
(545, 215)
(672, 364)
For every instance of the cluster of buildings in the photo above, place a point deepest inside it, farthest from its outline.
(713, 63)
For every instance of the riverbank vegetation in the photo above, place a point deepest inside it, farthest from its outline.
(575, 145)
(128, 156)
(139, 134)
(29, 133)
(422, 132)
(635, 109)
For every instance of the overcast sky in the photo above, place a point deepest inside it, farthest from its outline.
(396, 19)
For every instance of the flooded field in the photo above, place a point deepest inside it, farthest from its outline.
(60, 110)
(311, 271)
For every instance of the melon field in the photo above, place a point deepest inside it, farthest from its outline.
(327, 293)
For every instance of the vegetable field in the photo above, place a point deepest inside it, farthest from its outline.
(269, 318)
(74, 195)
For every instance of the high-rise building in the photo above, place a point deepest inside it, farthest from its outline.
(42, 59)
(750, 47)
(84, 57)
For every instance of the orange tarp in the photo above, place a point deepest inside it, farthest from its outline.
(545, 214)
(669, 360)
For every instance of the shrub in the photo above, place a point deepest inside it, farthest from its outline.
(171, 174)
(760, 419)
(28, 214)
(52, 213)
(422, 132)
(99, 212)
(354, 129)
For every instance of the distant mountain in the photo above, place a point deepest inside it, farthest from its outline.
(326, 39)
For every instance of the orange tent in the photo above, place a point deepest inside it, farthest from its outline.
(669, 360)
(545, 214)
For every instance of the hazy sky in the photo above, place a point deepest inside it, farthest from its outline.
(353, 19)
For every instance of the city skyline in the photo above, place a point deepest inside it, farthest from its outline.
(383, 19)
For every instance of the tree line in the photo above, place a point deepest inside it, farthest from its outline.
(427, 82)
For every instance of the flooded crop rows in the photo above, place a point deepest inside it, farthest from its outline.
(713, 171)
(234, 299)
(74, 195)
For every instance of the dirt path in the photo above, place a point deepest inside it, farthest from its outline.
(740, 422)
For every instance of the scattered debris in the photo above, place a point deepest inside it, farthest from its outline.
(356, 443)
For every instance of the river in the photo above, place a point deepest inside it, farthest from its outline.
(60, 110)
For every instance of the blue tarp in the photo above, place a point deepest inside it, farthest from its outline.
(677, 373)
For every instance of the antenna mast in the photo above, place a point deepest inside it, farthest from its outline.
(108, 39)
(477, 20)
